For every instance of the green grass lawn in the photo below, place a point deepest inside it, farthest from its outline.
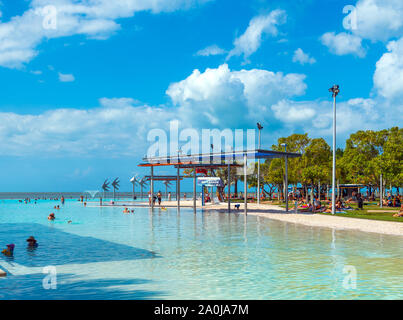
(356, 213)
(362, 214)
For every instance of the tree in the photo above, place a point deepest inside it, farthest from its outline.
(316, 162)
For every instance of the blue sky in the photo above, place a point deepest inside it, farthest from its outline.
(78, 99)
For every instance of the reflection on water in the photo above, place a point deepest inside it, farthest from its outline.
(202, 255)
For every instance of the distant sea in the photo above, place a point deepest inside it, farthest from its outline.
(66, 195)
(76, 195)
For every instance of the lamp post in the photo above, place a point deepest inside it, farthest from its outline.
(259, 127)
(335, 91)
(286, 177)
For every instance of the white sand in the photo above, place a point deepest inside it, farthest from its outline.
(317, 220)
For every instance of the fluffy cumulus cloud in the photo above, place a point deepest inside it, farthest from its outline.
(224, 98)
(47, 19)
(388, 77)
(251, 39)
(216, 98)
(343, 43)
(315, 117)
(113, 128)
(212, 50)
(301, 57)
(378, 19)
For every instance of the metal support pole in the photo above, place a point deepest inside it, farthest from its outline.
(194, 188)
(381, 192)
(178, 191)
(152, 186)
(286, 183)
(229, 187)
(245, 184)
(334, 157)
(258, 175)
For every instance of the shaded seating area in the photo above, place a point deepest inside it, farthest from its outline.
(199, 162)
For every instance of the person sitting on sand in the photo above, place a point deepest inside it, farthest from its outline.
(51, 216)
(32, 243)
(9, 251)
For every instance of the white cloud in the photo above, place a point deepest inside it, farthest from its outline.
(115, 128)
(20, 36)
(315, 117)
(66, 77)
(226, 98)
(343, 43)
(250, 41)
(379, 19)
(212, 50)
(291, 112)
(388, 77)
(302, 57)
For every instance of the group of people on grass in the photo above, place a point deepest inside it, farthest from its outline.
(392, 201)
(317, 206)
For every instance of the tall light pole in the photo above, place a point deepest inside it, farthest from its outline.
(335, 91)
(259, 126)
(286, 177)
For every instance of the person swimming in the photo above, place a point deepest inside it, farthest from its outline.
(32, 243)
(9, 251)
(126, 210)
(51, 216)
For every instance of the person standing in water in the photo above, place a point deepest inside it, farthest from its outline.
(32, 243)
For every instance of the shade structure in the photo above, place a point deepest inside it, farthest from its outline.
(213, 161)
(217, 158)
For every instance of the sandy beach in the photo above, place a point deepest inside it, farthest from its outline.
(278, 213)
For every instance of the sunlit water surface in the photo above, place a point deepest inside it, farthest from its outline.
(106, 254)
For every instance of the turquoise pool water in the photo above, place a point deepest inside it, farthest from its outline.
(105, 254)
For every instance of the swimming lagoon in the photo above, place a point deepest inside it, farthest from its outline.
(156, 254)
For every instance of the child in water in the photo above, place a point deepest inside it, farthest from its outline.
(32, 243)
(9, 251)
(51, 216)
